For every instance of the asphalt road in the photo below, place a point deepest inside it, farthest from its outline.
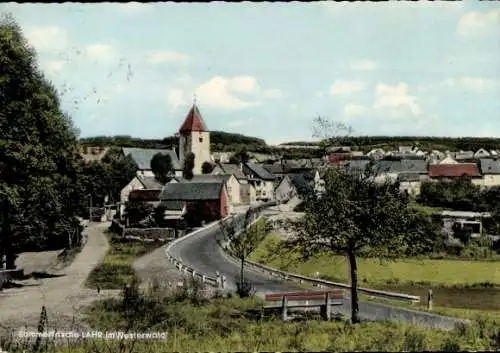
(202, 252)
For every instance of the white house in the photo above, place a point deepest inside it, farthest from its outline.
(142, 158)
(261, 179)
(285, 189)
(448, 160)
(490, 169)
(481, 153)
(232, 184)
(138, 183)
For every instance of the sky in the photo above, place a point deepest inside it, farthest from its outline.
(268, 69)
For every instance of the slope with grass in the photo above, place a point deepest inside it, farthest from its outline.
(455, 283)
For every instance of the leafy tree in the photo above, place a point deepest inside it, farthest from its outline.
(357, 216)
(243, 243)
(188, 166)
(240, 156)
(38, 152)
(161, 165)
(207, 167)
(137, 211)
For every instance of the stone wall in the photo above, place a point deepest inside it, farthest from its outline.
(149, 233)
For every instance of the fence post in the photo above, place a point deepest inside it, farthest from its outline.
(325, 309)
(284, 308)
(203, 279)
(223, 281)
(429, 299)
(194, 274)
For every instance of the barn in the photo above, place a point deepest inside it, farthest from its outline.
(204, 201)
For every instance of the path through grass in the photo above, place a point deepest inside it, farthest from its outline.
(116, 269)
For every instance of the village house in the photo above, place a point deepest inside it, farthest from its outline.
(481, 153)
(204, 201)
(490, 169)
(291, 185)
(248, 194)
(409, 183)
(232, 184)
(139, 182)
(261, 179)
(446, 172)
(92, 153)
(376, 153)
(142, 158)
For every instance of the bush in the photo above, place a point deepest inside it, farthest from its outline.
(244, 289)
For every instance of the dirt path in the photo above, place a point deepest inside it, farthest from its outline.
(62, 296)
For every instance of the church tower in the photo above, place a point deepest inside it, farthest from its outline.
(194, 137)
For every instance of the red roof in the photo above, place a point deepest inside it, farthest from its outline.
(193, 121)
(454, 170)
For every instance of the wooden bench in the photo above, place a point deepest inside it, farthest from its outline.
(304, 300)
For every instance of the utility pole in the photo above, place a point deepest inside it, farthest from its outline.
(90, 208)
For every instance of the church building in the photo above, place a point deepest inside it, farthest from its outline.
(194, 137)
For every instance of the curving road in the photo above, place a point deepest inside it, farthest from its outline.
(202, 252)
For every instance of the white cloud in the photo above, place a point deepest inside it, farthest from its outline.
(346, 87)
(47, 38)
(466, 83)
(160, 57)
(353, 110)
(244, 84)
(53, 67)
(478, 23)
(176, 98)
(396, 100)
(237, 92)
(100, 52)
(364, 65)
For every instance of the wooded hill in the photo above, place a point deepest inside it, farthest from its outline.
(423, 142)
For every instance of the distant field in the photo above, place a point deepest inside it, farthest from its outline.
(456, 283)
(374, 271)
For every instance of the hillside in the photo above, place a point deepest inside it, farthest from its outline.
(423, 142)
(219, 140)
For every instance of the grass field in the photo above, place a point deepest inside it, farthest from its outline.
(233, 324)
(116, 269)
(455, 283)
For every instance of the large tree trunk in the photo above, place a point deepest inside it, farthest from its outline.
(241, 270)
(353, 268)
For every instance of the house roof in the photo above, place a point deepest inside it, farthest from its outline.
(408, 176)
(150, 182)
(414, 166)
(489, 166)
(234, 169)
(260, 171)
(358, 165)
(387, 166)
(454, 170)
(143, 156)
(172, 205)
(144, 195)
(191, 191)
(277, 168)
(299, 180)
(206, 178)
(193, 121)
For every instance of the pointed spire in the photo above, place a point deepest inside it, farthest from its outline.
(193, 120)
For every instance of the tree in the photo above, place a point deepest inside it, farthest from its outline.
(137, 211)
(161, 165)
(356, 216)
(207, 167)
(329, 132)
(243, 243)
(38, 152)
(188, 167)
(240, 156)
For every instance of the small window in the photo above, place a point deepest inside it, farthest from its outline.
(200, 139)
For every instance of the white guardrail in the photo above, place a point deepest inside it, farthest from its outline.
(219, 281)
(287, 276)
